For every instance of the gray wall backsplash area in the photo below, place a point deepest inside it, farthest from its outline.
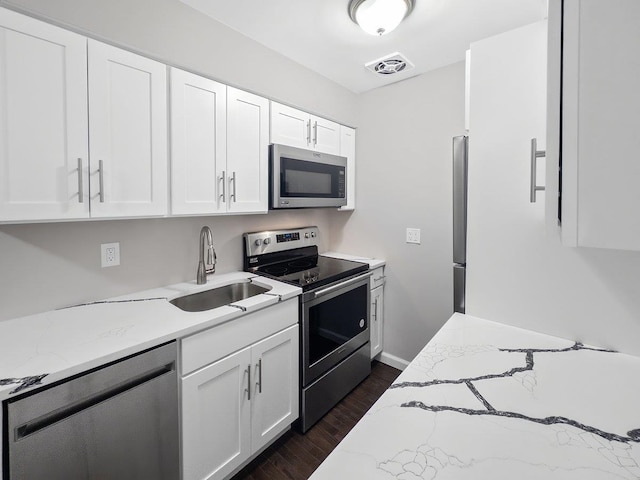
(53, 265)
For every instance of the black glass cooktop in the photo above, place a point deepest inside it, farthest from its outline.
(311, 271)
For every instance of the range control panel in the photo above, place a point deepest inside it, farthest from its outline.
(258, 243)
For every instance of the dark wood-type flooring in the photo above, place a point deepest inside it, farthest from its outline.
(295, 456)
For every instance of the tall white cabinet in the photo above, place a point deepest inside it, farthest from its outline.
(43, 121)
(509, 261)
(593, 116)
(128, 133)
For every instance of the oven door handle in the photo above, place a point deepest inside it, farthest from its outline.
(339, 286)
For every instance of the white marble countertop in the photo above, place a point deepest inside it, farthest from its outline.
(488, 401)
(373, 262)
(41, 349)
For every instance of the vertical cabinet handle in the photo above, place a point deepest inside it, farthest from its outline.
(223, 178)
(535, 154)
(315, 134)
(248, 389)
(308, 132)
(375, 310)
(80, 182)
(259, 368)
(232, 178)
(101, 179)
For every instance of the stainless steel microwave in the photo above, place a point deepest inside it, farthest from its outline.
(300, 178)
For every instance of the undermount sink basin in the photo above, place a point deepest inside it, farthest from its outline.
(218, 297)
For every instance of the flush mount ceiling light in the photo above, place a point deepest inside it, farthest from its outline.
(379, 17)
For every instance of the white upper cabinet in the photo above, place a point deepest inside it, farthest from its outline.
(43, 121)
(219, 146)
(325, 135)
(198, 144)
(247, 152)
(290, 126)
(348, 149)
(593, 115)
(128, 133)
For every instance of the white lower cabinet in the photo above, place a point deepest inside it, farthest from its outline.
(237, 405)
(376, 325)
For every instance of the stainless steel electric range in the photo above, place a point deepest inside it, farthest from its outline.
(334, 313)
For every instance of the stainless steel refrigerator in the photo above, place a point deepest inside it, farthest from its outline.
(460, 168)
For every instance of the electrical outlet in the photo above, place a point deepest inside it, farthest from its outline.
(110, 254)
(413, 235)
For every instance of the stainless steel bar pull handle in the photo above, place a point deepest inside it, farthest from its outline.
(80, 182)
(308, 132)
(315, 134)
(101, 179)
(223, 178)
(233, 179)
(248, 389)
(259, 368)
(375, 310)
(535, 154)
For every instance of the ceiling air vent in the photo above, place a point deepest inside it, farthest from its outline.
(390, 64)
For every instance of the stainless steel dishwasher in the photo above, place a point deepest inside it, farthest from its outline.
(116, 422)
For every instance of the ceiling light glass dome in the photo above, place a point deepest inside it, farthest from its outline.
(379, 17)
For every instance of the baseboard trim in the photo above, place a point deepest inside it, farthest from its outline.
(392, 361)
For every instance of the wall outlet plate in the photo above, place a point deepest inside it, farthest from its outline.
(413, 235)
(110, 254)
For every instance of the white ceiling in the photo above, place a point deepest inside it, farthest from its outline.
(320, 35)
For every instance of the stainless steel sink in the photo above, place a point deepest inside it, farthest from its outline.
(218, 297)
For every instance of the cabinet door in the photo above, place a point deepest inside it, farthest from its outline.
(247, 152)
(216, 415)
(326, 135)
(506, 237)
(290, 126)
(198, 144)
(128, 133)
(275, 387)
(377, 320)
(43, 121)
(348, 149)
(600, 123)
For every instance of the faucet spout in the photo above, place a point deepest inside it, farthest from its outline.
(208, 266)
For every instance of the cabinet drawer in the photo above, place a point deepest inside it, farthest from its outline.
(377, 278)
(217, 342)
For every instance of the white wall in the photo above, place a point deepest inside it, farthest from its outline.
(403, 152)
(46, 266)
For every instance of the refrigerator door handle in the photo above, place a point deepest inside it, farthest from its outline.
(460, 165)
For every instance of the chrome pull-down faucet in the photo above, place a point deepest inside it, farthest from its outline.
(206, 243)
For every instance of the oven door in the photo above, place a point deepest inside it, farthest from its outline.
(335, 323)
(304, 178)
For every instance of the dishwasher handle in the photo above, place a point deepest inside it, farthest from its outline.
(39, 423)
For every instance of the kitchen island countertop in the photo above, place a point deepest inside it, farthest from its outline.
(484, 400)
